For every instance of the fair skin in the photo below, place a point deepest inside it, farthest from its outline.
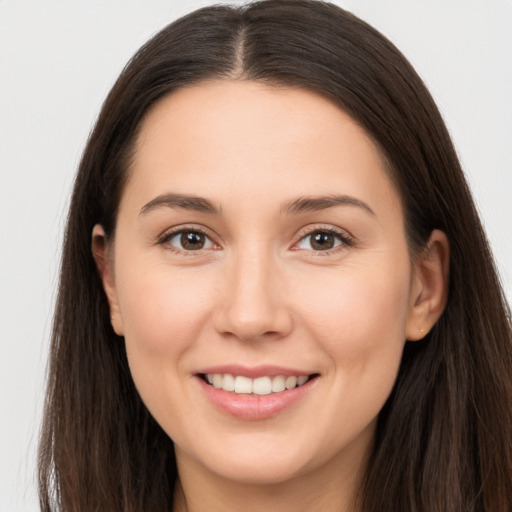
(260, 279)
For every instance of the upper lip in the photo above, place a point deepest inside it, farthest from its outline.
(254, 372)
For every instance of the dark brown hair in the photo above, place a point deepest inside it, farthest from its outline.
(444, 437)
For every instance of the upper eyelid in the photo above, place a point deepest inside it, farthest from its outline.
(312, 228)
(170, 232)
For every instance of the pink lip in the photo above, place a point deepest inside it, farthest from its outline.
(253, 407)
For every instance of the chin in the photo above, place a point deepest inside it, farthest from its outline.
(260, 464)
(258, 472)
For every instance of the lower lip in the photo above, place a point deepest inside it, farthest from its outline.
(254, 407)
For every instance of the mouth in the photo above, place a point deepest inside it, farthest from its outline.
(256, 393)
(260, 386)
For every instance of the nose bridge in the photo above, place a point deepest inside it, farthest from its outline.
(253, 304)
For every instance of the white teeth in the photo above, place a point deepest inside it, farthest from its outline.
(217, 380)
(301, 380)
(259, 386)
(228, 382)
(262, 386)
(243, 384)
(291, 382)
(278, 384)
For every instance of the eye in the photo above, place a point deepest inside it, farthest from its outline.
(323, 240)
(188, 240)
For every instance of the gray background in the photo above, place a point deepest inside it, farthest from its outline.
(58, 60)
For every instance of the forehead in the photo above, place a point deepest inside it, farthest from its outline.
(232, 139)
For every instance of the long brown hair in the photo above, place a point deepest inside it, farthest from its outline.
(444, 437)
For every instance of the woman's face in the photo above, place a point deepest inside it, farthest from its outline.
(259, 243)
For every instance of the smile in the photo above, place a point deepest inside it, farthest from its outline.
(255, 393)
(264, 385)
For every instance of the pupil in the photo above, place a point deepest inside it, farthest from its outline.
(192, 240)
(323, 241)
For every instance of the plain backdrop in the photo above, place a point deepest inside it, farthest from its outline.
(58, 60)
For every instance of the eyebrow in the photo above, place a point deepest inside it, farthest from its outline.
(299, 205)
(312, 204)
(180, 201)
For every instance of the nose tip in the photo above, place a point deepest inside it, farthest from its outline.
(253, 308)
(253, 325)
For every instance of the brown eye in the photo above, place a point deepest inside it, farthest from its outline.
(192, 240)
(189, 240)
(322, 240)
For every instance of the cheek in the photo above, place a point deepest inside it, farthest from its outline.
(163, 315)
(354, 303)
(358, 316)
(358, 320)
(163, 311)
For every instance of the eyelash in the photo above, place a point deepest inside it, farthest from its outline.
(343, 237)
(167, 236)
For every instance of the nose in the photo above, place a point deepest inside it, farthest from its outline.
(252, 301)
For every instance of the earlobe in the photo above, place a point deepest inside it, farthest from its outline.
(104, 265)
(429, 290)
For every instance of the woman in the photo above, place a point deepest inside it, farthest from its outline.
(275, 292)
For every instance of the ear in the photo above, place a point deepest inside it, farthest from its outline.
(429, 290)
(100, 252)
